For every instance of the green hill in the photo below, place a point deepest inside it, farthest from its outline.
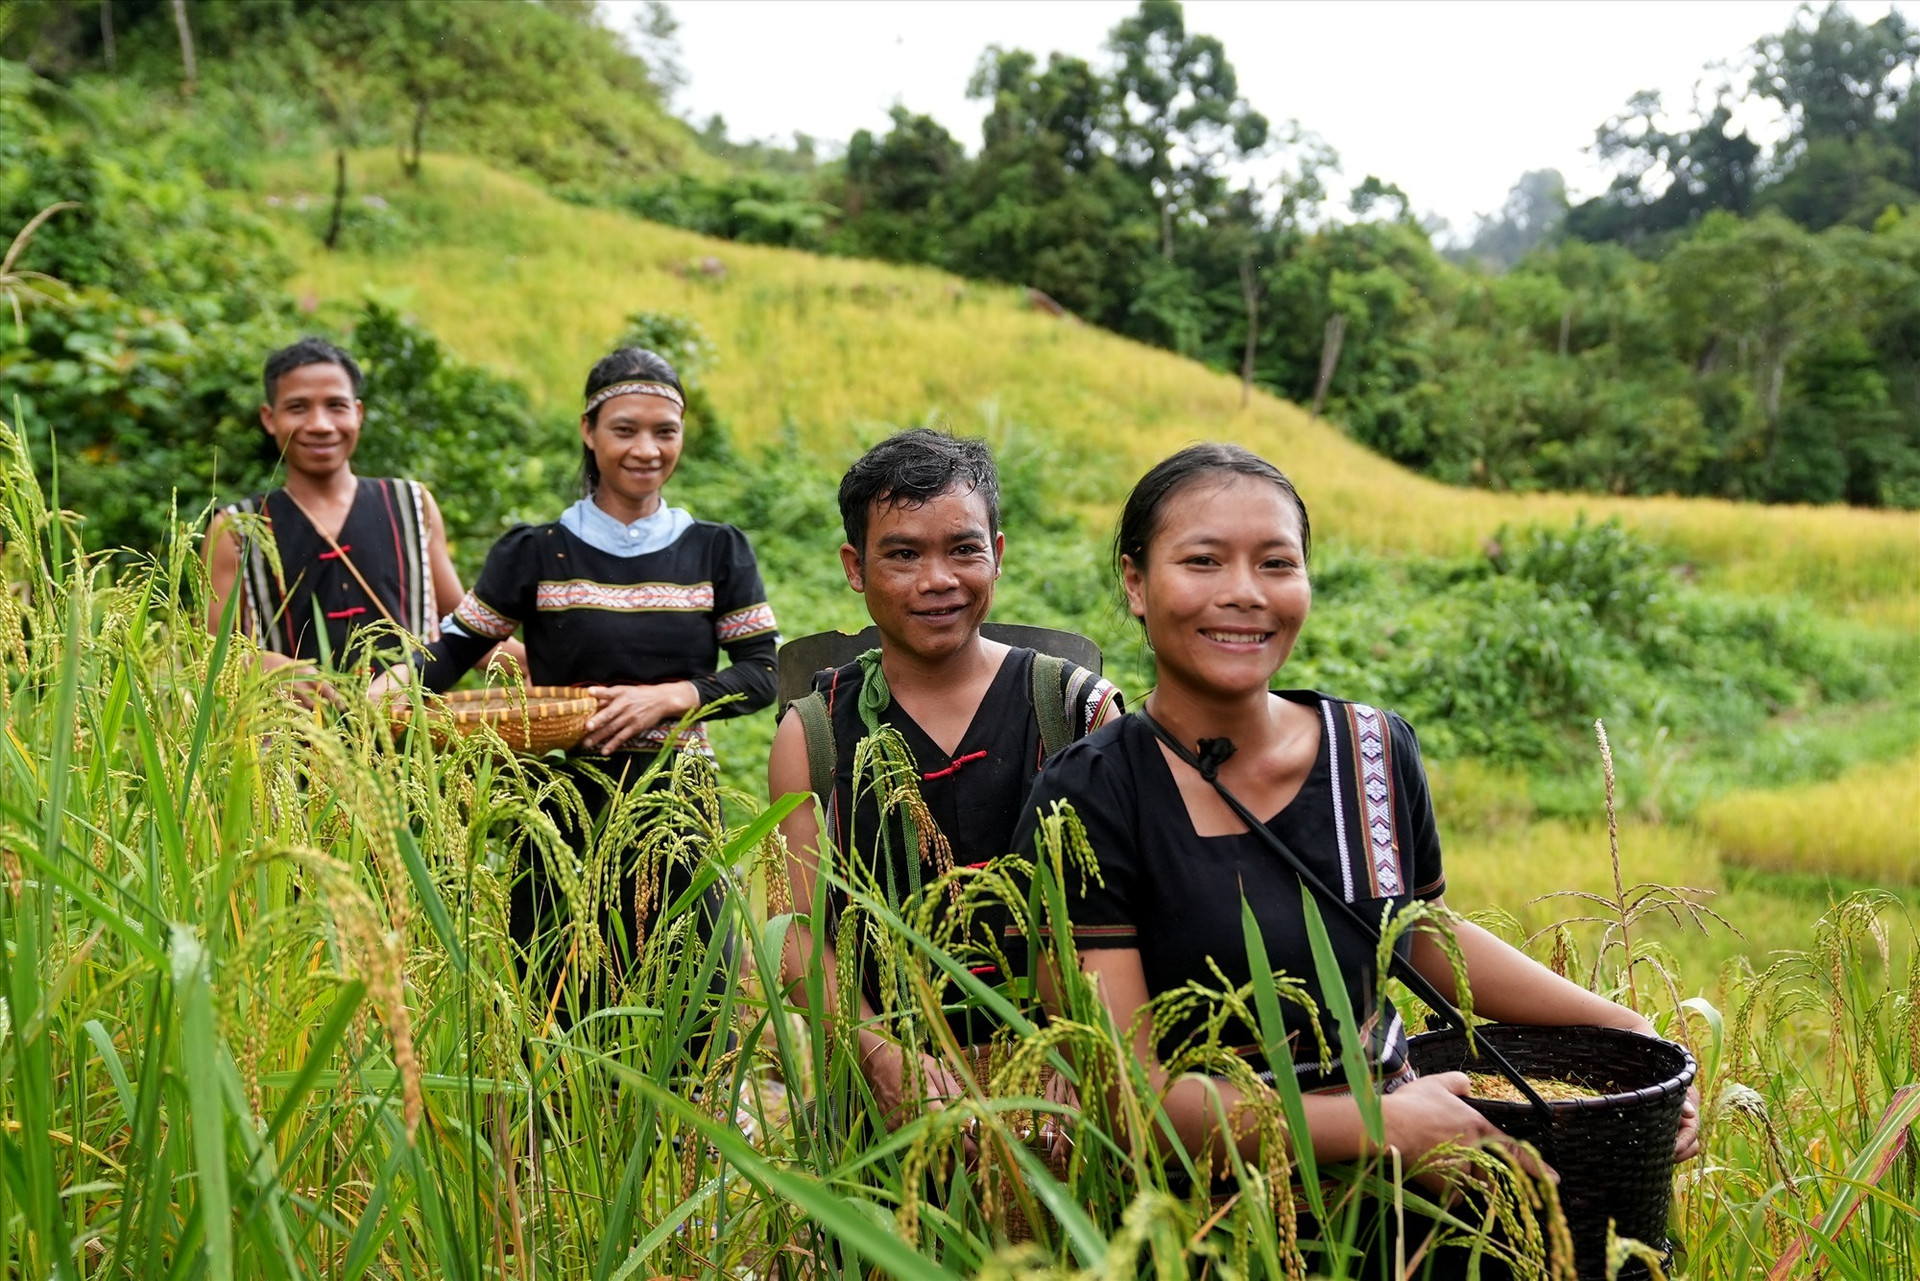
(833, 349)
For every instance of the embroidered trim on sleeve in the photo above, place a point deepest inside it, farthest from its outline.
(754, 620)
(1098, 936)
(474, 615)
(1102, 696)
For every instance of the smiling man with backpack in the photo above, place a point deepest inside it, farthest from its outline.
(977, 717)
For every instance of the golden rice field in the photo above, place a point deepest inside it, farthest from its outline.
(1864, 826)
(830, 352)
(837, 349)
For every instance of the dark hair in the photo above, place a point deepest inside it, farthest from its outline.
(626, 365)
(912, 468)
(308, 351)
(1140, 519)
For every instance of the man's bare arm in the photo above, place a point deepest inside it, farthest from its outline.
(222, 552)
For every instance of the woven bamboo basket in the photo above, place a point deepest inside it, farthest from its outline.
(1027, 1129)
(1613, 1152)
(532, 718)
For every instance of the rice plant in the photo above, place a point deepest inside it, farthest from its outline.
(262, 1018)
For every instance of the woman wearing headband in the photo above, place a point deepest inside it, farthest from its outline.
(627, 597)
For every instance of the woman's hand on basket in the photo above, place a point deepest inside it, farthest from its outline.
(1686, 1145)
(387, 687)
(1430, 1111)
(884, 1065)
(627, 711)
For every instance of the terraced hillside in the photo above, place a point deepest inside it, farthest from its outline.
(834, 349)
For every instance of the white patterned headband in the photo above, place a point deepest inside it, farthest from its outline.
(662, 390)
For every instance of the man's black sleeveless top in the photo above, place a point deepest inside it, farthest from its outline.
(976, 795)
(315, 595)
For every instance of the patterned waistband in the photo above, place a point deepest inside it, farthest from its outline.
(663, 738)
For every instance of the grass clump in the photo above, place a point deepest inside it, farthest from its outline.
(1862, 826)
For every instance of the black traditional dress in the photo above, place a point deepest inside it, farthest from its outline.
(600, 602)
(1362, 821)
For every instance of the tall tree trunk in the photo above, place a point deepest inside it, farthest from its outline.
(339, 197)
(411, 164)
(1250, 295)
(1329, 357)
(106, 31)
(1566, 328)
(186, 43)
(1166, 227)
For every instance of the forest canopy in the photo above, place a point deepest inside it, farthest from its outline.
(1727, 319)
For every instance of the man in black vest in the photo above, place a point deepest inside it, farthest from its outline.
(352, 550)
(922, 519)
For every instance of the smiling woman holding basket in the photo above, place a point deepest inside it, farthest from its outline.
(1212, 552)
(631, 600)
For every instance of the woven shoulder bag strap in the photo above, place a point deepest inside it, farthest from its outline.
(1050, 703)
(816, 726)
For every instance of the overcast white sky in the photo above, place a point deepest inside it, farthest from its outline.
(1452, 101)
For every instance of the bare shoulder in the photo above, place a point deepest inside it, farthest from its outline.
(787, 762)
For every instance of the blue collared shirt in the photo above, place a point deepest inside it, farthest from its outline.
(586, 521)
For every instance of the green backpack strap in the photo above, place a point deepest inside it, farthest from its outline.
(822, 753)
(1050, 703)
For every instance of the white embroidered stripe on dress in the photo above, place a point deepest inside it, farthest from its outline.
(426, 621)
(581, 593)
(1376, 799)
(754, 620)
(1339, 808)
(473, 614)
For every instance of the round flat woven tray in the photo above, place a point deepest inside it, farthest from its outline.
(531, 718)
(1614, 1151)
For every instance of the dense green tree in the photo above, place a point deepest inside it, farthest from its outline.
(1666, 180)
(1047, 204)
(1844, 86)
(897, 191)
(1182, 120)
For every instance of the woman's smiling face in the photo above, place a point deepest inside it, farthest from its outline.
(636, 441)
(1224, 591)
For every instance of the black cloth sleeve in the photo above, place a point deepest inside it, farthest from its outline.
(1103, 907)
(744, 626)
(1422, 834)
(502, 598)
